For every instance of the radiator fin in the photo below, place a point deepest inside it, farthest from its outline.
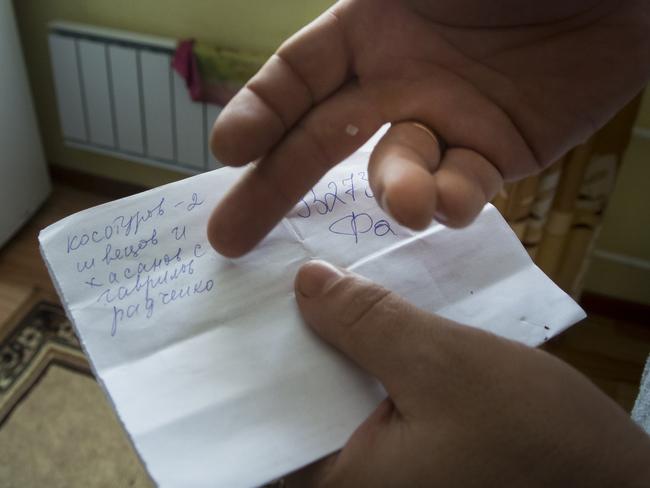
(117, 94)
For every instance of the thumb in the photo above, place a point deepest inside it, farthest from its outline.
(388, 337)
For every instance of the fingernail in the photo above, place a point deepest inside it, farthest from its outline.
(384, 204)
(440, 217)
(316, 277)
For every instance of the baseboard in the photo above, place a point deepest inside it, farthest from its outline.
(619, 275)
(94, 183)
(616, 308)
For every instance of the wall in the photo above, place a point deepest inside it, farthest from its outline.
(620, 265)
(256, 25)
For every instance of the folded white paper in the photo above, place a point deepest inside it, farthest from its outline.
(206, 360)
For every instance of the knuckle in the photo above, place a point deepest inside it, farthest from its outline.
(267, 101)
(363, 305)
(317, 144)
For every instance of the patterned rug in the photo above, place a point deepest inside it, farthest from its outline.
(56, 427)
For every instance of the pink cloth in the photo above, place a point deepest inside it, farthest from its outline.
(186, 64)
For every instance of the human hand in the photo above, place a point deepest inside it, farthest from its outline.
(465, 408)
(509, 87)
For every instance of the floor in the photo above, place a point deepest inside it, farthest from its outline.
(610, 351)
(22, 271)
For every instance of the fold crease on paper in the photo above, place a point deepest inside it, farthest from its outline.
(207, 361)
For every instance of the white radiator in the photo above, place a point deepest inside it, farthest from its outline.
(117, 94)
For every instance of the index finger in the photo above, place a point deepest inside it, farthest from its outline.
(329, 133)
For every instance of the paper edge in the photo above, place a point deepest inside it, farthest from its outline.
(91, 363)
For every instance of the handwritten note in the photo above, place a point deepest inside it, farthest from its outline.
(207, 361)
(134, 279)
